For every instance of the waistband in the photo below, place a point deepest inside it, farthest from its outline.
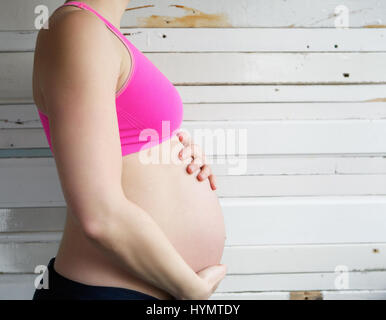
(60, 287)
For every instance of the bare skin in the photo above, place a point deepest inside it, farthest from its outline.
(168, 247)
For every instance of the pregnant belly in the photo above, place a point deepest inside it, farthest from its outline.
(187, 210)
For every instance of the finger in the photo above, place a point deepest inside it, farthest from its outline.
(185, 153)
(184, 138)
(197, 152)
(196, 164)
(193, 150)
(212, 181)
(206, 171)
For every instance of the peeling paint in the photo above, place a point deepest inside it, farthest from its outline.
(18, 122)
(131, 33)
(375, 26)
(376, 100)
(334, 15)
(141, 7)
(193, 19)
(306, 295)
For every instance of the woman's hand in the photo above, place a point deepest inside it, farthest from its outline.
(211, 278)
(194, 151)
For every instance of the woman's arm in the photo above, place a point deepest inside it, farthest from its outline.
(78, 81)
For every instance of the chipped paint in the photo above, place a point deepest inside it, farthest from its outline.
(141, 7)
(306, 295)
(376, 100)
(131, 33)
(192, 19)
(375, 26)
(334, 15)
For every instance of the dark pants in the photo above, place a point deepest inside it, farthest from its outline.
(61, 288)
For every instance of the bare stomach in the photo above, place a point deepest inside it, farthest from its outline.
(187, 211)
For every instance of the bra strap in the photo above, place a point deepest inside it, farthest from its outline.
(82, 5)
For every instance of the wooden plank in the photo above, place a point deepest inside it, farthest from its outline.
(21, 254)
(32, 219)
(251, 296)
(293, 137)
(21, 286)
(26, 116)
(289, 165)
(16, 138)
(23, 153)
(304, 258)
(16, 41)
(314, 220)
(326, 295)
(244, 137)
(256, 94)
(300, 165)
(248, 221)
(252, 13)
(220, 13)
(271, 68)
(243, 40)
(256, 40)
(282, 93)
(14, 185)
(302, 282)
(262, 165)
(16, 75)
(17, 286)
(20, 181)
(281, 111)
(18, 258)
(305, 185)
(19, 116)
(355, 295)
(306, 295)
(227, 69)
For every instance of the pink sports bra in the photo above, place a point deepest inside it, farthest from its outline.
(148, 106)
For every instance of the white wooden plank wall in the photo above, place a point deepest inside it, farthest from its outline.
(307, 216)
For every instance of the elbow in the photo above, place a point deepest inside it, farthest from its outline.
(96, 221)
(94, 229)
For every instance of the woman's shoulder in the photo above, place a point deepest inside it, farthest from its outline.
(75, 48)
(72, 26)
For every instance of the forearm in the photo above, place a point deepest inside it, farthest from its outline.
(132, 237)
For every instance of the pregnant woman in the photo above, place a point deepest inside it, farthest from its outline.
(135, 229)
